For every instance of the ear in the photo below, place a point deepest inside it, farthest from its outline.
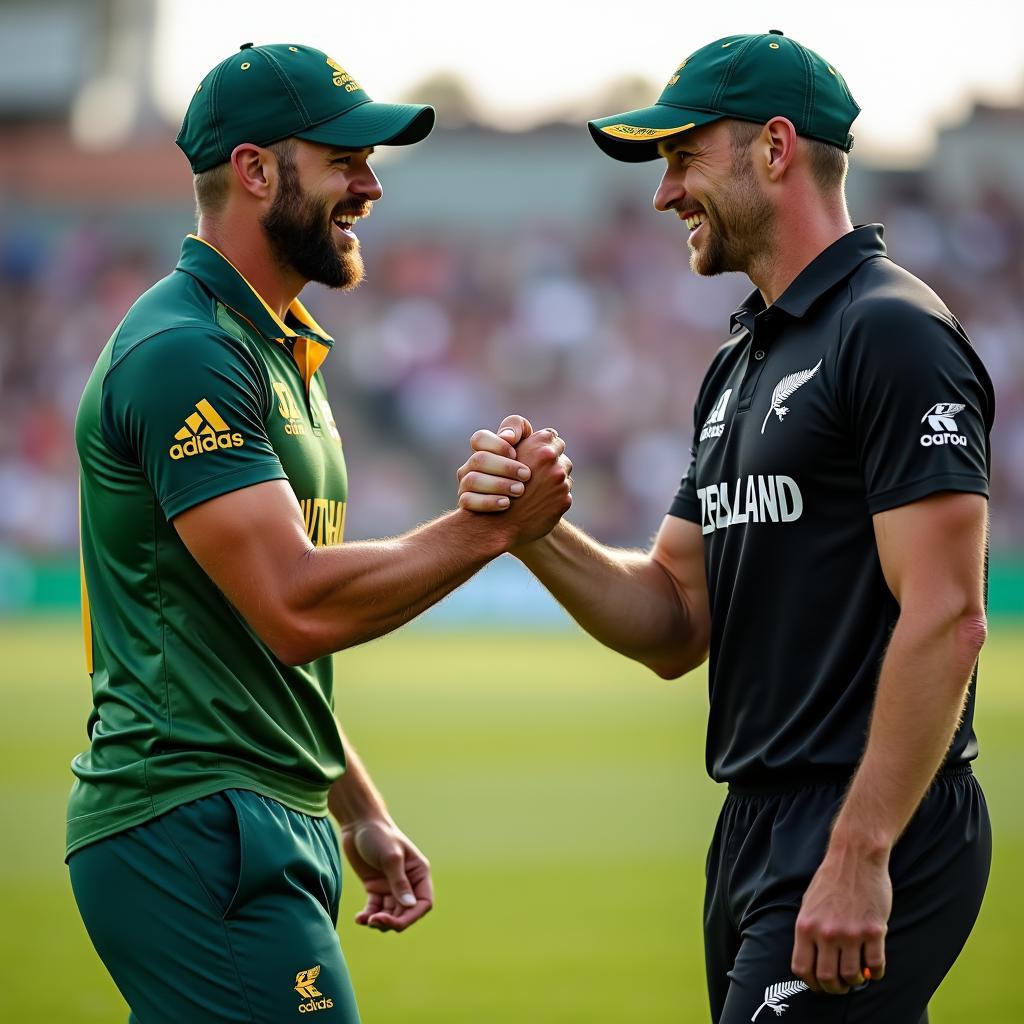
(255, 169)
(777, 146)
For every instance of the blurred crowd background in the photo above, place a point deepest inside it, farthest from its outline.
(506, 272)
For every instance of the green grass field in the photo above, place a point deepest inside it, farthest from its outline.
(559, 792)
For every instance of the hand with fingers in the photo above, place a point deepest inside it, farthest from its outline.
(518, 470)
(840, 930)
(394, 873)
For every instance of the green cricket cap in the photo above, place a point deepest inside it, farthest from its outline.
(749, 77)
(263, 94)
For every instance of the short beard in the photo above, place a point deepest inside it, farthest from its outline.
(301, 234)
(739, 240)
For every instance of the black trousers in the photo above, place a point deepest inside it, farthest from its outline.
(767, 847)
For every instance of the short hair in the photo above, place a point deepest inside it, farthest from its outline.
(829, 164)
(211, 186)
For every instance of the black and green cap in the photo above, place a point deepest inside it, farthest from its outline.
(267, 93)
(750, 77)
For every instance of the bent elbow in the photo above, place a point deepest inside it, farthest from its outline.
(972, 631)
(293, 642)
(677, 667)
(668, 672)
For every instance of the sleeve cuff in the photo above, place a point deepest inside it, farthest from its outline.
(685, 508)
(904, 494)
(204, 490)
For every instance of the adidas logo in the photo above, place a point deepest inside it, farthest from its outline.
(308, 991)
(715, 425)
(204, 431)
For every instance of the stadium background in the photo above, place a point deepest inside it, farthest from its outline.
(558, 789)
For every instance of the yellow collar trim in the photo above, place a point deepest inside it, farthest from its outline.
(296, 308)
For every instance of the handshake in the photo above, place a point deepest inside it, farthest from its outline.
(520, 472)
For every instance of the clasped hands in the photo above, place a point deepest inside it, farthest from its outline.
(519, 471)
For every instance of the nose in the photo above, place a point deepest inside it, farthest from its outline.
(365, 184)
(669, 193)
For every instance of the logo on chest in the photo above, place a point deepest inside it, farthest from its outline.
(786, 387)
(289, 409)
(714, 426)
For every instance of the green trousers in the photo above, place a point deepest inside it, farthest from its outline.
(221, 910)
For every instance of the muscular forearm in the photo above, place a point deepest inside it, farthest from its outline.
(354, 798)
(624, 599)
(918, 704)
(345, 595)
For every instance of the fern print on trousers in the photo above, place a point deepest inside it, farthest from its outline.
(781, 990)
(785, 388)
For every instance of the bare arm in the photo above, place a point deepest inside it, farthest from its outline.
(304, 601)
(932, 554)
(650, 606)
(393, 871)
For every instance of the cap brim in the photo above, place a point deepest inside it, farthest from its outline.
(633, 137)
(374, 124)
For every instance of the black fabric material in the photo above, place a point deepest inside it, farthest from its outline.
(855, 393)
(764, 853)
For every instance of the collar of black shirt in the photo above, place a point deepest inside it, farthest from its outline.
(829, 268)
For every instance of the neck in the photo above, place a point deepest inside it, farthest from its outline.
(803, 232)
(245, 245)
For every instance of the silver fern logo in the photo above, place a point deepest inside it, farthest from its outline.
(775, 994)
(785, 388)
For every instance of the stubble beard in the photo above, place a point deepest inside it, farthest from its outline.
(742, 238)
(301, 235)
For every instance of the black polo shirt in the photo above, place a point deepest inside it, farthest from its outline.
(857, 391)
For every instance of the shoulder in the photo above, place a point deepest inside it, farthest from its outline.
(173, 322)
(882, 297)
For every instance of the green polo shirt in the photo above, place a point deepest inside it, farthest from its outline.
(202, 390)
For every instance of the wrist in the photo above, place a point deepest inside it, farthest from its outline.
(381, 820)
(354, 805)
(860, 842)
(491, 533)
(534, 551)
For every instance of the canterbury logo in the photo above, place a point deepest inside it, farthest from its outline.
(204, 431)
(775, 994)
(785, 388)
(940, 416)
(713, 426)
(943, 425)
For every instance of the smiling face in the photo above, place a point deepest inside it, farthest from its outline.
(711, 184)
(322, 192)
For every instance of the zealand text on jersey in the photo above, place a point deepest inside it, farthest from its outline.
(751, 499)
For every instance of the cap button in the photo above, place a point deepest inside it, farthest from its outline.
(771, 32)
(248, 46)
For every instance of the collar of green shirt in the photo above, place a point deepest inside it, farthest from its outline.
(823, 273)
(208, 265)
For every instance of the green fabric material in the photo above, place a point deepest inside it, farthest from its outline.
(263, 94)
(188, 402)
(749, 77)
(225, 907)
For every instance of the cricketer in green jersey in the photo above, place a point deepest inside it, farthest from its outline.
(216, 587)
